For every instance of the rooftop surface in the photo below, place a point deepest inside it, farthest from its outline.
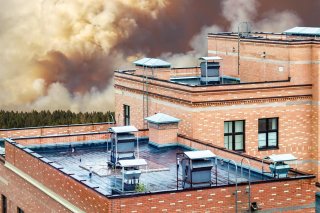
(160, 174)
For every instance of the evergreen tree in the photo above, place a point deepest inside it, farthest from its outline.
(11, 119)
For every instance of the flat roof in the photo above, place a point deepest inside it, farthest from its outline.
(161, 174)
(193, 155)
(123, 129)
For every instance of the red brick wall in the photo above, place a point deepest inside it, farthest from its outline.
(294, 59)
(164, 134)
(63, 139)
(21, 194)
(206, 121)
(267, 195)
(316, 102)
(68, 188)
(54, 130)
(294, 128)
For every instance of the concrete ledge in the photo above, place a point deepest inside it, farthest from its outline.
(167, 145)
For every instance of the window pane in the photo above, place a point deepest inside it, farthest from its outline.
(262, 139)
(239, 142)
(239, 126)
(262, 125)
(227, 127)
(272, 139)
(273, 123)
(228, 142)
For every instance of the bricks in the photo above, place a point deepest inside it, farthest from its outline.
(55, 130)
(203, 111)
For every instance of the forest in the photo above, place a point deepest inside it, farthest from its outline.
(18, 119)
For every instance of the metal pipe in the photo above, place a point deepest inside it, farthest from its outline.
(190, 167)
(236, 194)
(262, 168)
(122, 179)
(249, 182)
(116, 144)
(216, 162)
(206, 72)
(239, 49)
(138, 145)
(177, 163)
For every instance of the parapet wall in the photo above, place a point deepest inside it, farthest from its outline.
(54, 130)
(282, 196)
(61, 186)
(72, 138)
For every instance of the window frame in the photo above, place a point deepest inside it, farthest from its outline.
(126, 115)
(267, 131)
(4, 203)
(19, 210)
(233, 135)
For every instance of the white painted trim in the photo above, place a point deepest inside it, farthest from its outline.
(271, 61)
(43, 188)
(3, 180)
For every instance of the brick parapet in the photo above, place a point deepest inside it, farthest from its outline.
(278, 195)
(54, 130)
(64, 185)
(215, 95)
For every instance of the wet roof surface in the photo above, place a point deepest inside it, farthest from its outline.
(161, 174)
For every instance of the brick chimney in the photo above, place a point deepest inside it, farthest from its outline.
(163, 129)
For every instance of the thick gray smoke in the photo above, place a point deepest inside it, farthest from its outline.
(58, 54)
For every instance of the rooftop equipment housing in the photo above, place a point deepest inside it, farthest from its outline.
(196, 168)
(152, 63)
(210, 70)
(123, 143)
(130, 175)
(303, 31)
(278, 167)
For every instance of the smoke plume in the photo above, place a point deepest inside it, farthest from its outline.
(58, 54)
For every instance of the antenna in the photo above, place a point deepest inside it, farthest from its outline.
(244, 30)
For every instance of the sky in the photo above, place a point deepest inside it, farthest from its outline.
(59, 54)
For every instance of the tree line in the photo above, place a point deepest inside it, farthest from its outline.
(18, 119)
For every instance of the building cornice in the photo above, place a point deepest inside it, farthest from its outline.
(218, 102)
(200, 89)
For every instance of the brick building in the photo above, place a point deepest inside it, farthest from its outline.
(251, 97)
(279, 83)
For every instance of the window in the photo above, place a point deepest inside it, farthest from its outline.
(4, 203)
(234, 135)
(19, 210)
(268, 133)
(126, 115)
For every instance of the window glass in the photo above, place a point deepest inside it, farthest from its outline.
(273, 124)
(228, 142)
(126, 113)
(262, 140)
(234, 135)
(268, 133)
(262, 125)
(239, 142)
(227, 127)
(272, 139)
(4, 203)
(238, 126)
